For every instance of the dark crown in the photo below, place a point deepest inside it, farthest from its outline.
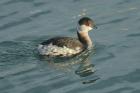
(87, 21)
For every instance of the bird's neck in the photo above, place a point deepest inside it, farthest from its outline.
(85, 39)
(82, 32)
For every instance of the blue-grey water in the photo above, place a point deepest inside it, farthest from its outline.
(113, 68)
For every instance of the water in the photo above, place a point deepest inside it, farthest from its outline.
(114, 68)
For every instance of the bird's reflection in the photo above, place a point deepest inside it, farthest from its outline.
(85, 68)
(80, 65)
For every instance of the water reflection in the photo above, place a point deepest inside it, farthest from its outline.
(80, 65)
(85, 68)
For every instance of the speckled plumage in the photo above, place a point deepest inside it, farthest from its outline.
(68, 42)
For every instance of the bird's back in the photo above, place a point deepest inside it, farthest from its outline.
(68, 42)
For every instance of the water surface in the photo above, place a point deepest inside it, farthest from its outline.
(114, 68)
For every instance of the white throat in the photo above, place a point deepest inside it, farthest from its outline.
(84, 28)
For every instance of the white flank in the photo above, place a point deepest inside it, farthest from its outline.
(53, 50)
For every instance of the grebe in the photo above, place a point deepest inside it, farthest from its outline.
(68, 46)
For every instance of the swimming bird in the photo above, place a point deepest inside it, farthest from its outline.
(68, 46)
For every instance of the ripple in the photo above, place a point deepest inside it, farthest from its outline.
(109, 56)
(7, 15)
(136, 91)
(71, 30)
(39, 13)
(24, 20)
(120, 90)
(8, 43)
(16, 1)
(51, 87)
(35, 40)
(114, 21)
(39, 89)
(23, 72)
(15, 23)
(78, 0)
(124, 2)
(133, 77)
(14, 52)
(134, 35)
(39, 4)
(6, 85)
(130, 77)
